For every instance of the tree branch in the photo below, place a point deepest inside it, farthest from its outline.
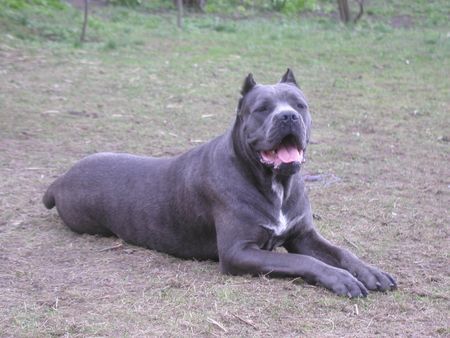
(361, 10)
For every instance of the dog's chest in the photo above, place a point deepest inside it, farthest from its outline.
(277, 233)
(281, 221)
(280, 226)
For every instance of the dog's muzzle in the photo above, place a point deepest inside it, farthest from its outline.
(287, 154)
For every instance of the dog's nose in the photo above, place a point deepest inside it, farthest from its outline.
(288, 116)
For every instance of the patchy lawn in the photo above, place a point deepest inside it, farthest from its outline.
(381, 110)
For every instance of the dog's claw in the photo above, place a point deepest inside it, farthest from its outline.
(365, 293)
(393, 284)
(375, 279)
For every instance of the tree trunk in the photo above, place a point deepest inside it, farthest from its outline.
(193, 4)
(179, 13)
(85, 21)
(344, 11)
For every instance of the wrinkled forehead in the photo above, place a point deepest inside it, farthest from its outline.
(274, 94)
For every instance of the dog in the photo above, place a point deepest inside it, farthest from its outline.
(234, 199)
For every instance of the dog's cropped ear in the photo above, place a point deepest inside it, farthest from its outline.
(248, 85)
(289, 77)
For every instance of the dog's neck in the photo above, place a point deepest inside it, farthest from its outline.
(281, 186)
(274, 186)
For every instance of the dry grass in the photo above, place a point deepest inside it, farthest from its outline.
(381, 125)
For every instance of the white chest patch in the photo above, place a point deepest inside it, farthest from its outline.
(283, 225)
(278, 190)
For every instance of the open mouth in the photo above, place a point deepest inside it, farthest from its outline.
(288, 151)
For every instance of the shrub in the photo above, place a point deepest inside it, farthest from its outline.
(18, 4)
(293, 6)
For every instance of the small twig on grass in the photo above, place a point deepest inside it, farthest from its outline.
(245, 321)
(216, 323)
(332, 324)
(351, 243)
(111, 247)
(296, 279)
(356, 310)
(313, 178)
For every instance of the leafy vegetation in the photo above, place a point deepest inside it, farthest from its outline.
(18, 4)
(56, 21)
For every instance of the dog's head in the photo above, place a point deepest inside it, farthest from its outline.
(274, 122)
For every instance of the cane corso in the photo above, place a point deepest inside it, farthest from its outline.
(234, 199)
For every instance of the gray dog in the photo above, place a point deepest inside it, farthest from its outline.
(233, 199)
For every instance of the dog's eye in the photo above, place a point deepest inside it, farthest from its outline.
(301, 106)
(261, 109)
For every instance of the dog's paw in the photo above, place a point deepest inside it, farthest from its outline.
(342, 283)
(375, 279)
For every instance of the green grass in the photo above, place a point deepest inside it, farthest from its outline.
(380, 102)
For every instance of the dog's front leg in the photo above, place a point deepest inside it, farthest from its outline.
(244, 258)
(313, 244)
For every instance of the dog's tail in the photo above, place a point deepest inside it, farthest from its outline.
(49, 196)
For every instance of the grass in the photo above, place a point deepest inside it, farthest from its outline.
(380, 105)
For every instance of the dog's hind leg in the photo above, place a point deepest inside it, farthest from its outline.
(74, 210)
(78, 220)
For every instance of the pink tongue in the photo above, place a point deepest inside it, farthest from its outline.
(288, 154)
